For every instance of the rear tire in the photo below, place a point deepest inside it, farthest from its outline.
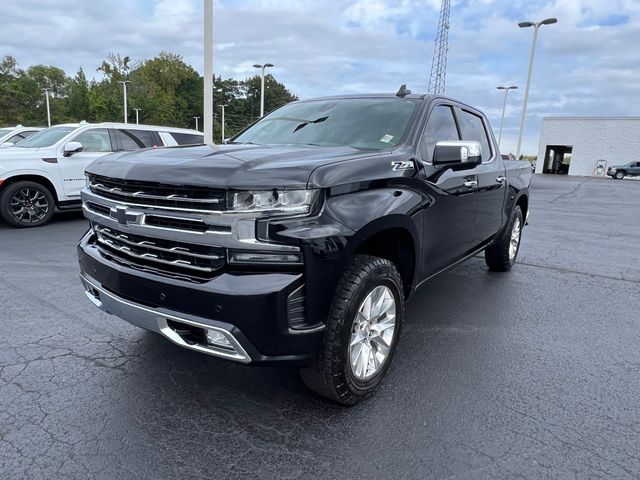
(26, 204)
(362, 332)
(619, 175)
(502, 254)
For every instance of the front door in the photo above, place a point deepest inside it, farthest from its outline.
(96, 142)
(449, 220)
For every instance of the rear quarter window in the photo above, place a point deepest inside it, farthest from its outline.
(187, 138)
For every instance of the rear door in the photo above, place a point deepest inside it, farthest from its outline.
(635, 169)
(449, 221)
(490, 176)
(96, 142)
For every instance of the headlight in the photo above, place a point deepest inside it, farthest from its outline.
(285, 202)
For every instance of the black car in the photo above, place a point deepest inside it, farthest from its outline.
(631, 169)
(299, 241)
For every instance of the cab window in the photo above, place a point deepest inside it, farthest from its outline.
(440, 127)
(95, 140)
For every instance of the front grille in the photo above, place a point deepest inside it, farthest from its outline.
(167, 257)
(158, 195)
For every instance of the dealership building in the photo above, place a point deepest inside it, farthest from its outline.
(586, 146)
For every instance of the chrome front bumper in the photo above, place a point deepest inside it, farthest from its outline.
(162, 322)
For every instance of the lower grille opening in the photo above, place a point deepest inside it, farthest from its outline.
(190, 334)
(193, 335)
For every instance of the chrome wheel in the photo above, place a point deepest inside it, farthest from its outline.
(29, 205)
(515, 239)
(372, 333)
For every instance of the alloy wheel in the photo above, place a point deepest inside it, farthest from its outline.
(29, 205)
(372, 333)
(514, 242)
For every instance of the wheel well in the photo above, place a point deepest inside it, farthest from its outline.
(395, 245)
(523, 203)
(33, 178)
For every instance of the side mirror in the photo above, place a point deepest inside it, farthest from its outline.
(6, 145)
(72, 147)
(457, 153)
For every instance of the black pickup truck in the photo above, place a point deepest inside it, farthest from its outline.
(300, 240)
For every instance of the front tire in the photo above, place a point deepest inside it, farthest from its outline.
(619, 175)
(26, 204)
(502, 254)
(362, 332)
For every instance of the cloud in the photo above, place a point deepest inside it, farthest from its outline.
(587, 64)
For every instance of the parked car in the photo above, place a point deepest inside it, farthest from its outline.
(631, 169)
(12, 135)
(45, 172)
(300, 240)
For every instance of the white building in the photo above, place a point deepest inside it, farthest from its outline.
(587, 145)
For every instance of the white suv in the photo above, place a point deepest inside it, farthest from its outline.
(12, 135)
(45, 171)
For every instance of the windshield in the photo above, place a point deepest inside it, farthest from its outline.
(363, 123)
(45, 138)
(4, 131)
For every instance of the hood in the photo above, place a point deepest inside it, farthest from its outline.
(15, 154)
(224, 166)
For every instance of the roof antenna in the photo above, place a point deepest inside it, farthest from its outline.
(403, 92)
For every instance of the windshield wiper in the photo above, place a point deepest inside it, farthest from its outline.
(304, 124)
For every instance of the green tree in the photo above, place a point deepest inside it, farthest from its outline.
(77, 102)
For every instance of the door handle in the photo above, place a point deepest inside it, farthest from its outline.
(501, 179)
(471, 184)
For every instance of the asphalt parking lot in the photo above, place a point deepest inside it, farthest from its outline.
(530, 374)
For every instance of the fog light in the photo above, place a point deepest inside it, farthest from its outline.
(214, 337)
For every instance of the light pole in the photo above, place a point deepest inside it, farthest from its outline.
(504, 106)
(137, 117)
(208, 72)
(222, 107)
(124, 85)
(197, 123)
(536, 27)
(263, 67)
(46, 95)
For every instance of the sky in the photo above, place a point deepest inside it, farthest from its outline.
(588, 64)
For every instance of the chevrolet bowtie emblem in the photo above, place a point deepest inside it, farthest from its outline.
(123, 215)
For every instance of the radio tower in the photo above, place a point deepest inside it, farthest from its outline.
(439, 63)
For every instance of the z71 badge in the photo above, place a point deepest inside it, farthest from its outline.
(402, 165)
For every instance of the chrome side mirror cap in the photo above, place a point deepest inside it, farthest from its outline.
(457, 153)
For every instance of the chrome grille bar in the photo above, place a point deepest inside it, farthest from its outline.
(141, 194)
(121, 237)
(148, 256)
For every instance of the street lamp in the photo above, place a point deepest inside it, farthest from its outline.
(263, 67)
(197, 123)
(137, 117)
(46, 95)
(504, 106)
(222, 106)
(124, 85)
(536, 26)
(207, 110)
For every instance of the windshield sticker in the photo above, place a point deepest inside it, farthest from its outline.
(387, 138)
